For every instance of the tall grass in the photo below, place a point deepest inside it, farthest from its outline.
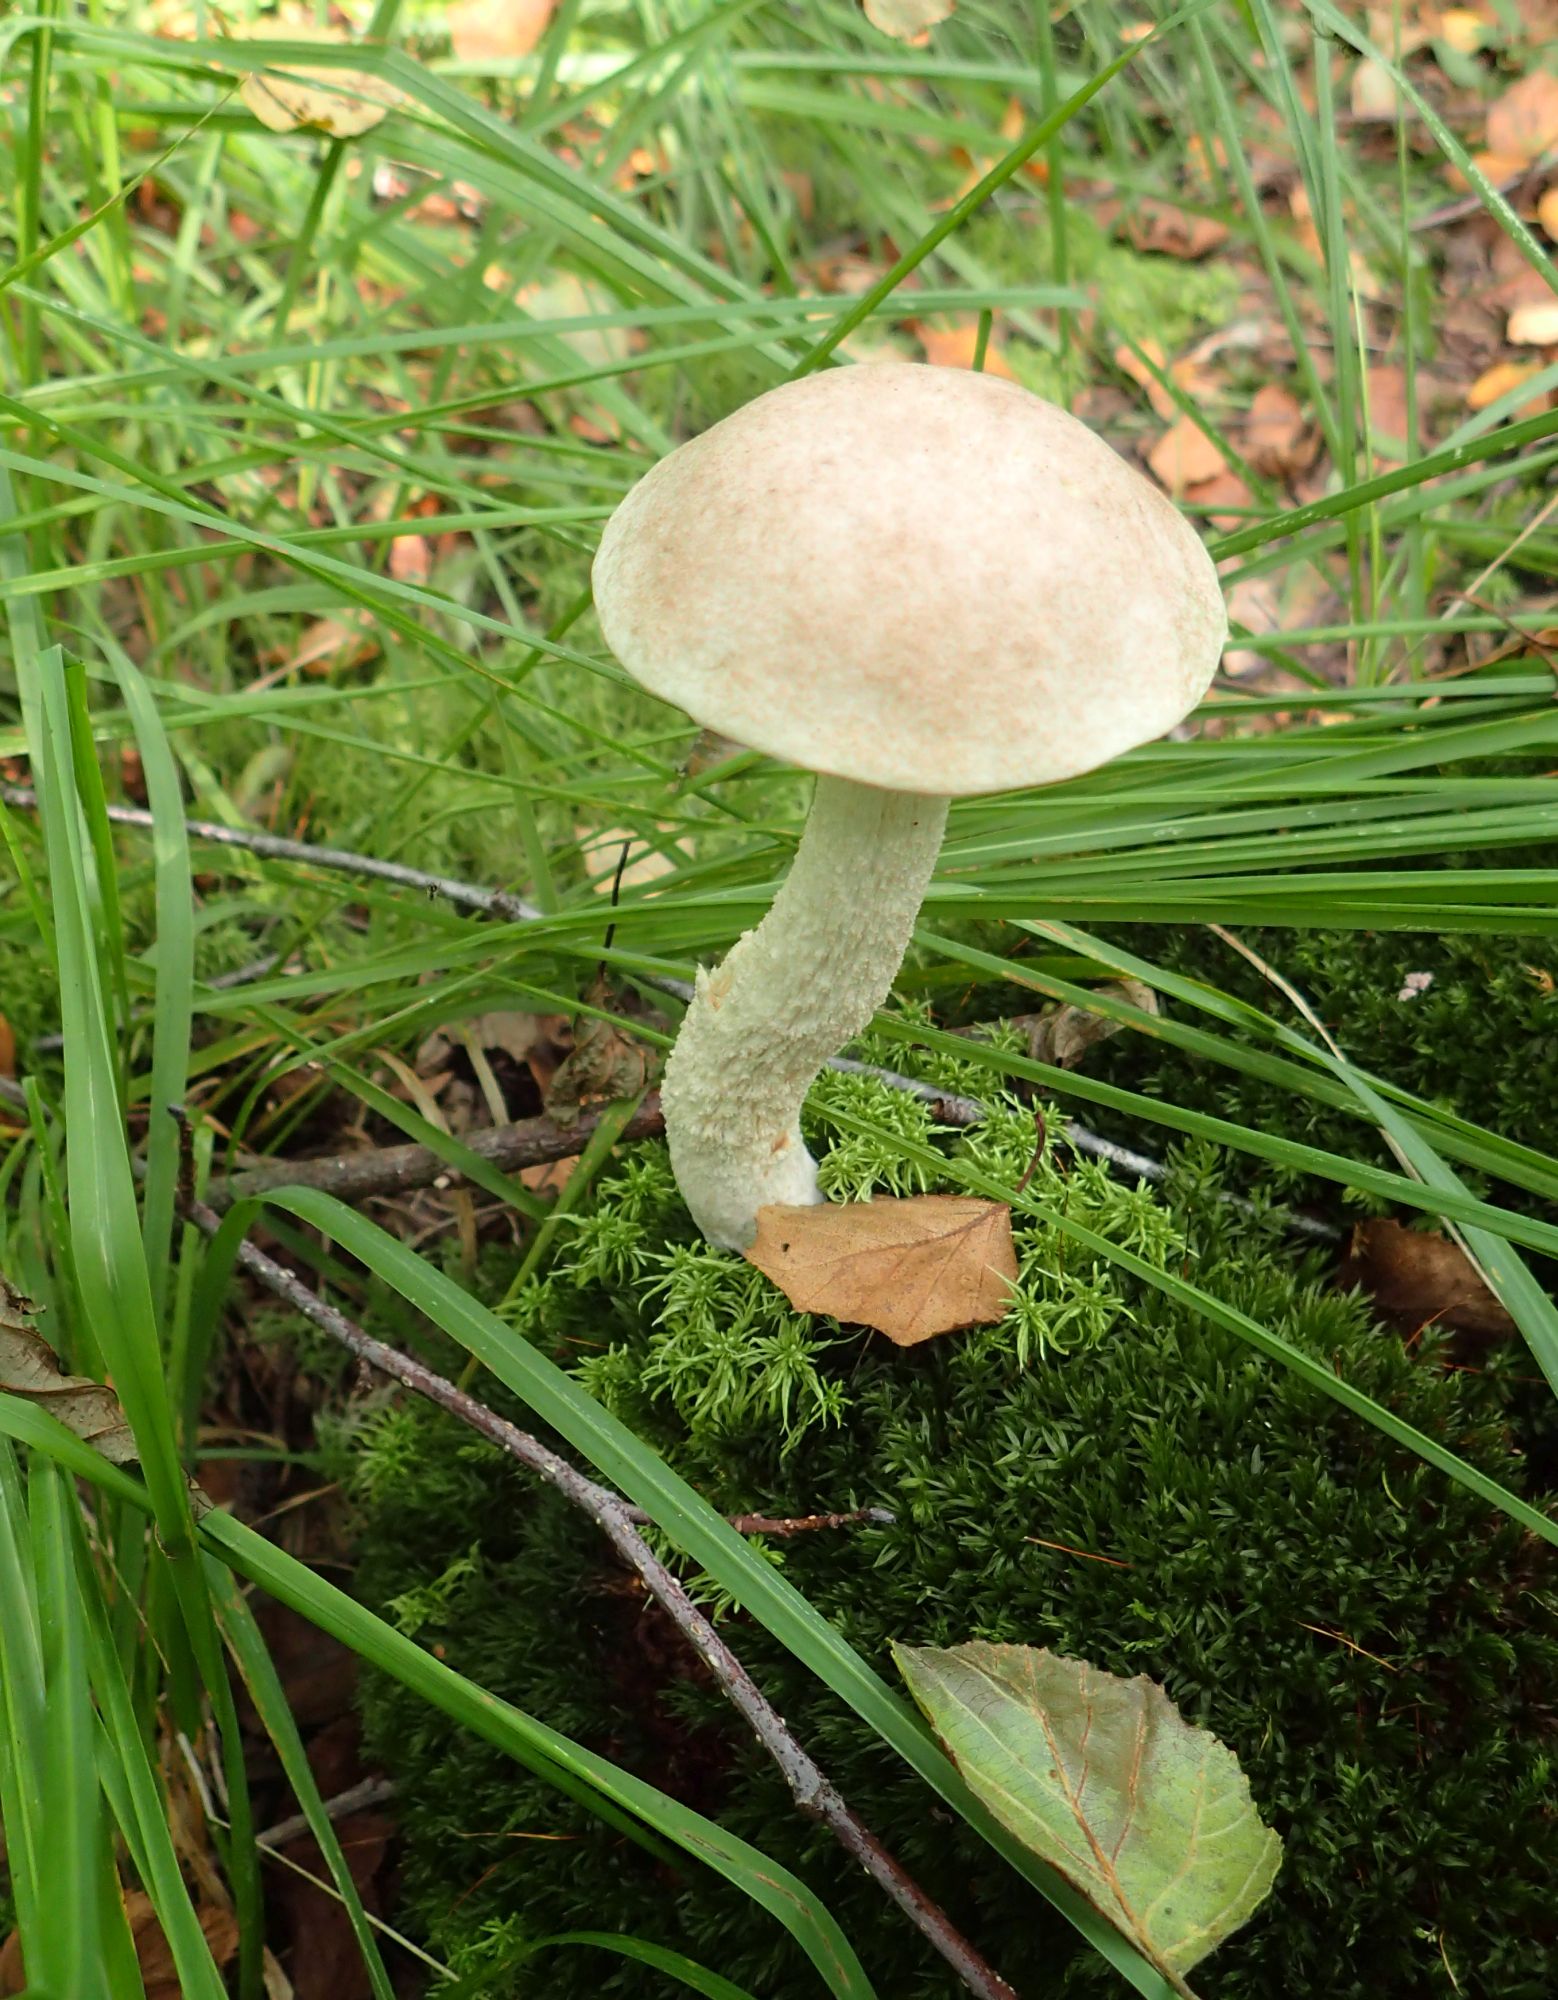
(305, 446)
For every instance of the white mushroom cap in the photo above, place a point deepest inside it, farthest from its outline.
(924, 579)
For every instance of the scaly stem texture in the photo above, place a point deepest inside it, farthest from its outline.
(788, 996)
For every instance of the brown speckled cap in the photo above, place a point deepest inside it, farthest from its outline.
(921, 578)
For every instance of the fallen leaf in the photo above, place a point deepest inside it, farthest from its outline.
(159, 1972)
(341, 103)
(1184, 456)
(1418, 1278)
(410, 559)
(1373, 91)
(907, 20)
(497, 30)
(601, 853)
(607, 1064)
(1131, 363)
(1387, 389)
(1064, 1034)
(1534, 324)
(1547, 213)
(1148, 1816)
(955, 347)
(1171, 231)
(7, 1048)
(1464, 30)
(1277, 442)
(1523, 123)
(1224, 500)
(330, 644)
(911, 1269)
(1498, 381)
(30, 1369)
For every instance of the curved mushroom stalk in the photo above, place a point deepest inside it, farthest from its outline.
(789, 995)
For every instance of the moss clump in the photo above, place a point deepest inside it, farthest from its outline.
(1104, 1473)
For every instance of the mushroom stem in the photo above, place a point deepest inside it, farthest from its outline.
(789, 995)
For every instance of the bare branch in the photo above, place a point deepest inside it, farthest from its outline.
(811, 1790)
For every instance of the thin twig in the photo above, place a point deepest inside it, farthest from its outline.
(354, 1177)
(811, 1790)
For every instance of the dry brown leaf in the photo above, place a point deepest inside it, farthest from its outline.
(7, 1048)
(1277, 442)
(911, 1269)
(159, 1974)
(1064, 1034)
(1534, 323)
(497, 30)
(1523, 123)
(410, 559)
(907, 20)
(601, 853)
(1464, 30)
(1387, 387)
(1172, 231)
(955, 347)
(342, 103)
(1498, 381)
(1416, 1278)
(1129, 362)
(1547, 213)
(607, 1064)
(1373, 91)
(30, 1369)
(1184, 456)
(1225, 500)
(332, 643)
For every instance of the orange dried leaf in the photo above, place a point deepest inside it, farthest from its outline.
(1222, 492)
(1129, 362)
(907, 20)
(1387, 388)
(410, 560)
(1523, 123)
(7, 1048)
(497, 30)
(1416, 1278)
(911, 1269)
(1277, 441)
(1498, 381)
(955, 347)
(1534, 323)
(1547, 213)
(1173, 231)
(1184, 456)
(330, 643)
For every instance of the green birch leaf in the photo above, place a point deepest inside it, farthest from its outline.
(1148, 1816)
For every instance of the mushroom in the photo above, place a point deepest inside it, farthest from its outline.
(919, 583)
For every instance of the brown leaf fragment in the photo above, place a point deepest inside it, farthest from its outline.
(497, 30)
(907, 20)
(607, 1065)
(956, 346)
(7, 1048)
(1534, 323)
(1172, 231)
(29, 1369)
(1184, 456)
(910, 1269)
(1498, 381)
(1417, 1278)
(341, 103)
(1064, 1034)
(1523, 123)
(159, 1974)
(1277, 442)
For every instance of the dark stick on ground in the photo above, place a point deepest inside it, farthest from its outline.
(811, 1790)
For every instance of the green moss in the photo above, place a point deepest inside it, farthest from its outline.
(1103, 1473)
